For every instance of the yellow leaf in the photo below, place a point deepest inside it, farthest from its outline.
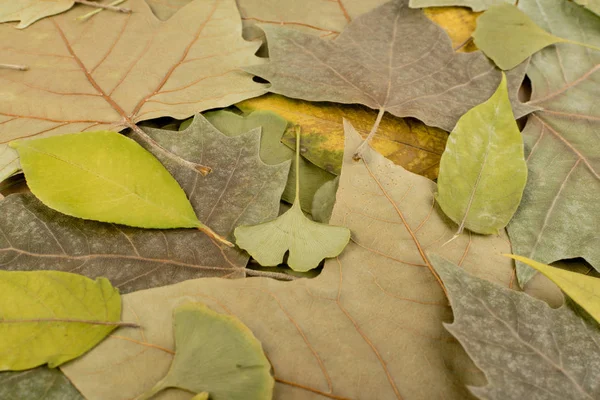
(459, 24)
(583, 289)
(406, 141)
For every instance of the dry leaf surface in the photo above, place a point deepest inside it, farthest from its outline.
(329, 337)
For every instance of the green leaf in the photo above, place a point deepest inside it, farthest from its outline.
(583, 289)
(483, 171)
(61, 315)
(508, 36)
(559, 214)
(324, 201)
(216, 354)
(104, 176)
(592, 5)
(41, 383)
(273, 152)
(526, 349)
(308, 242)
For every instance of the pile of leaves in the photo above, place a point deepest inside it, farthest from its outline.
(211, 199)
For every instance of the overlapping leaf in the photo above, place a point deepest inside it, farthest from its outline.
(337, 327)
(40, 383)
(559, 215)
(392, 59)
(85, 76)
(475, 5)
(240, 190)
(26, 12)
(526, 349)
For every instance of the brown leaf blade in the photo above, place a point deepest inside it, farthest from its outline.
(337, 326)
(83, 76)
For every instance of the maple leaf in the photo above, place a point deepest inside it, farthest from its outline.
(559, 214)
(392, 59)
(337, 327)
(240, 190)
(83, 76)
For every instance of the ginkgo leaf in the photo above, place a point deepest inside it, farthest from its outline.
(273, 152)
(308, 242)
(29, 11)
(241, 189)
(40, 383)
(107, 177)
(368, 327)
(508, 36)
(392, 59)
(83, 76)
(526, 349)
(583, 289)
(483, 171)
(558, 217)
(216, 354)
(62, 316)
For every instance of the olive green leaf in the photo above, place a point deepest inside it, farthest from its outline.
(308, 242)
(40, 383)
(273, 152)
(582, 289)
(508, 36)
(592, 5)
(526, 349)
(61, 316)
(559, 215)
(392, 59)
(107, 177)
(483, 171)
(216, 354)
(324, 200)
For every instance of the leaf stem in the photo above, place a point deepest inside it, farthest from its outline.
(70, 320)
(104, 6)
(214, 235)
(589, 46)
(92, 13)
(297, 199)
(365, 143)
(15, 66)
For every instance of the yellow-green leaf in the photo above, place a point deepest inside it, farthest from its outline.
(216, 356)
(106, 177)
(508, 36)
(483, 171)
(53, 317)
(308, 242)
(583, 289)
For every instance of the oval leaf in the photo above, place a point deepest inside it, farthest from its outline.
(106, 177)
(217, 356)
(61, 315)
(583, 289)
(483, 171)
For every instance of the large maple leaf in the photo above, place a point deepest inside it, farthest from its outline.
(116, 70)
(559, 215)
(368, 327)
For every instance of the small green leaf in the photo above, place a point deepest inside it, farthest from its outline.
(107, 177)
(216, 356)
(308, 242)
(483, 170)
(508, 36)
(583, 289)
(53, 317)
(324, 200)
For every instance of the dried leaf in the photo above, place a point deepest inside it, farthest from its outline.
(36, 237)
(407, 142)
(273, 152)
(308, 242)
(592, 5)
(368, 327)
(483, 171)
(558, 216)
(29, 11)
(83, 76)
(508, 36)
(61, 315)
(404, 64)
(475, 5)
(525, 348)
(216, 354)
(40, 383)
(583, 289)
(104, 176)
